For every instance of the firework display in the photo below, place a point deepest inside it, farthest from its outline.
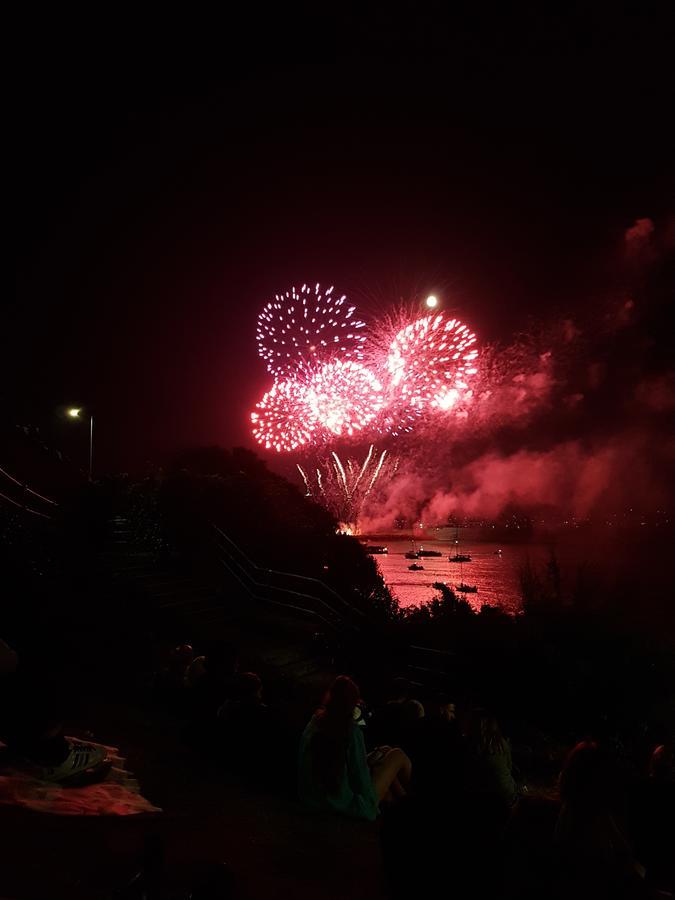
(299, 329)
(431, 361)
(414, 368)
(343, 397)
(344, 487)
(283, 420)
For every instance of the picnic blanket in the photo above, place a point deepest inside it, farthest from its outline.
(118, 794)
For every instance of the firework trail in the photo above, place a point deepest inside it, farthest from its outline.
(343, 487)
(304, 477)
(341, 472)
(300, 329)
(378, 469)
(364, 466)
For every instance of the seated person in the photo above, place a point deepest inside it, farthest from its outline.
(392, 722)
(170, 683)
(334, 771)
(491, 767)
(437, 750)
(246, 731)
(210, 681)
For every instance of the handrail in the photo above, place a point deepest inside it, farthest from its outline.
(26, 490)
(24, 508)
(276, 602)
(274, 587)
(24, 487)
(305, 578)
(244, 570)
(431, 650)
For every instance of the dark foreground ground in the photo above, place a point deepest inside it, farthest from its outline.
(98, 639)
(101, 642)
(271, 846)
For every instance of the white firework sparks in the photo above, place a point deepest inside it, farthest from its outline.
(302, 328)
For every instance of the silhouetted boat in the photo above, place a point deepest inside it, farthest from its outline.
(457, 556)
(461, 558)
(422, 552)
(412, 554)
(376, 548)
(415, 567)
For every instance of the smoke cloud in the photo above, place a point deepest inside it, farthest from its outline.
(575, 416)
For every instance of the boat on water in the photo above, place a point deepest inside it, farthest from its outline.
(458, 557)
(376, 548)
(422, 552)
(462, 587)
(414, 553)
(466, 588)
(415, 567)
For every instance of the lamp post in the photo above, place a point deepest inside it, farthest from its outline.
(74, 413)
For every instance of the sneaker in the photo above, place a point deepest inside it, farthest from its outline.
(81, 758)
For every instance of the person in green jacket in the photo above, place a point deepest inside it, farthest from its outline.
(334, 773)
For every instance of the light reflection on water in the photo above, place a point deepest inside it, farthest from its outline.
(497, 576)
(617, 561)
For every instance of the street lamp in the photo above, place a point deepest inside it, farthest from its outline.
(74, 413)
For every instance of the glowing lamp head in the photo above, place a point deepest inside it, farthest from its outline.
(432, 302)
(74, 413)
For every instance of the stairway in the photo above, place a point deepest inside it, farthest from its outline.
(206, 607)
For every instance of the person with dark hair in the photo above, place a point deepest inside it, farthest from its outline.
(595, 859)
(170, 682)
(210, 681)
(246, 730)
(334, 772)
(492, 768)
(438, 750)
(393, 721)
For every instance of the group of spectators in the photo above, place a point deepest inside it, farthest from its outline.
(223, 710)
(444, 781)
(401, 749)
(440, 777)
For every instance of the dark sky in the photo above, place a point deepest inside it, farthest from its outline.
(173, 174)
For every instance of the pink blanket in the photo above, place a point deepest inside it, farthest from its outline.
(118, 794)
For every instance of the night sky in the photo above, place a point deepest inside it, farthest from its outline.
(173, 175)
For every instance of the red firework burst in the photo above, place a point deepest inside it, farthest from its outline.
(430, 364)
(343, 397)
(284, 421)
